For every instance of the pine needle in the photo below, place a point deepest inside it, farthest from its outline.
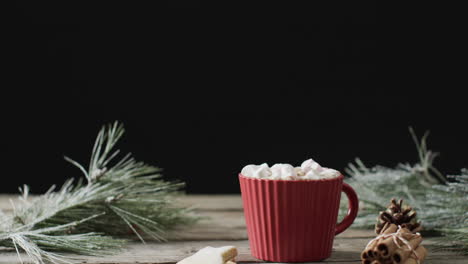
(117, 198)
(440, 201)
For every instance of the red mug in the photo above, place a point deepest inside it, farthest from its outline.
(294, 220)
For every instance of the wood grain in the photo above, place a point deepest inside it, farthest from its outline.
(223, 224)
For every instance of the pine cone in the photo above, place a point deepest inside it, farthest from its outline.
(398, 214)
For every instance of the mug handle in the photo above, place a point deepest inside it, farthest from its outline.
(353, 207)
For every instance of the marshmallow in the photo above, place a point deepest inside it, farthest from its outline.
(262, 171)
(283, 171)
(248, 170)
(256, 171)
(327, 173)
(309, 165)
(309, 170)
(299, 171)
(311, 175)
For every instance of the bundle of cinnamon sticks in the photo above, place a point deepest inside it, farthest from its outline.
(394, 245)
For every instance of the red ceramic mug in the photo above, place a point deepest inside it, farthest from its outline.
(294, 221)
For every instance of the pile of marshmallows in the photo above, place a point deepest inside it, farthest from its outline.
(309, 170)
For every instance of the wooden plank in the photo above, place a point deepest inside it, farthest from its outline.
(223, 218)
(223, 224)
(231, 226)
(345, 251)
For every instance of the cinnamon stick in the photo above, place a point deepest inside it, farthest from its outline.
(389, 228)
(387, 246)
(402, 254)
(383, 244)
(370, 253)
(421, 252)
(397, 247)
(386, 261)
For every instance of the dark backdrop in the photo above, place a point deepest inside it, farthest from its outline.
(204, 90)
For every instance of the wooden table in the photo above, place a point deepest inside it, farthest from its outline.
(225, 225)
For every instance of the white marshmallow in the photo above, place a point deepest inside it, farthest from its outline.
(283, 171)
(327, 173)
(309, 170)
(262, 171)
(248, 170)
(299, 171)
(310, 164)
(312, 175)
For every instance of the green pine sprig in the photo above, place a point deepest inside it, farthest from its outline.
(94, 215)
(440, 201)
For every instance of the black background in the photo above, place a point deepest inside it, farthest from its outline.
(204, 90)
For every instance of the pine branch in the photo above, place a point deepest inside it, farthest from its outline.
(441, 202)
(117, 198)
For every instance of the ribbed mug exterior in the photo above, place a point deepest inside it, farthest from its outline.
(291, 221)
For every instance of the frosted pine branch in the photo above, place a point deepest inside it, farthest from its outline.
(116, 199)
(441, 202)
